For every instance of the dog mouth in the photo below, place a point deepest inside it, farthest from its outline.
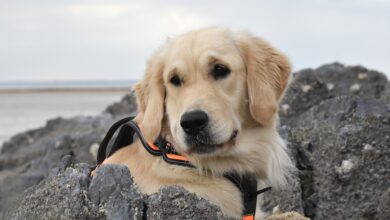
(202, 144)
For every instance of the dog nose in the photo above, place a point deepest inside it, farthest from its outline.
(193, 122)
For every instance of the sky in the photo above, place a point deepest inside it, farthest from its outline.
(46, 40)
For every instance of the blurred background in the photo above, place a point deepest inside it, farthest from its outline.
(66, 58)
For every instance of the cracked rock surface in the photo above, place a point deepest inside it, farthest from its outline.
(340, 141)
(340, 175)
(69, 193)
(336, 120)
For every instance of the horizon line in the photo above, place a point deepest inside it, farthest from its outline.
(66, 80)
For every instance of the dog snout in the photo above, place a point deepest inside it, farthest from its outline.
(193, 122)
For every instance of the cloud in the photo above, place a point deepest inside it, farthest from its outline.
(101, 11)
(77, 39)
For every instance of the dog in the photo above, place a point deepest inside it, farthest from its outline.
(213, 94)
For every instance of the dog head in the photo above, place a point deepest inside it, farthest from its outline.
(208, 88)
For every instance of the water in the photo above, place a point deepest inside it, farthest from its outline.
(28, 109)
(65, 84)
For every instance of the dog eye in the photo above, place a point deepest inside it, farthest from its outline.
(220, 71)
(175, 80)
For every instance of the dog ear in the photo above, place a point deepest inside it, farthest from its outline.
(268, 73)
(150, 94)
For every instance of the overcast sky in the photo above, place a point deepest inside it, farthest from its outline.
(93, 40)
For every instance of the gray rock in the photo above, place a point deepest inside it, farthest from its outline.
(25, 163)
(305, 91)
(28, 157)
(352, 80)
(12, 187)
(342, 150)
(113, 191)
(384, 204)
(69, 193)
(63, 195)
(177, 203)
(311, 86)
(124, 107)
(287, 199)
(386, 94)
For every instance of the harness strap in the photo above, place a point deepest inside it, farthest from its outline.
(101, 156)
(125, 137)
(248, 188)
(128, 129)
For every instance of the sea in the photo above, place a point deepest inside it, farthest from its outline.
(28, 105)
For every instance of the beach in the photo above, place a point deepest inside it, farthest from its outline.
(23, 109)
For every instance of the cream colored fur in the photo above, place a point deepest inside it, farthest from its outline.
(246, 100)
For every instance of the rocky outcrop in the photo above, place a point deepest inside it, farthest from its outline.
(341, 147)
(335, 118)
(62, 195)
(339, 135)
(386, 94)
(69, 193)
(125, 107)
(311, 86)
(29, 157)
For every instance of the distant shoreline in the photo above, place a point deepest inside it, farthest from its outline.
(62, 90)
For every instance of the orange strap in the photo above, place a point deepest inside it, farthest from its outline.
(153, 146)
(177, 157)
(248, 217)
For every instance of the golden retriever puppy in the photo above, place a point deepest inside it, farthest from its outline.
(214, 95)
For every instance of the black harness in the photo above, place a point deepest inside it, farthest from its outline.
(128, 129)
